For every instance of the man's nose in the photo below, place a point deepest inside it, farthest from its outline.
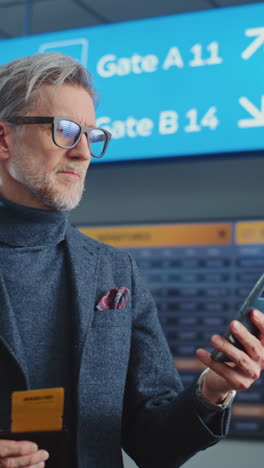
(81, 150)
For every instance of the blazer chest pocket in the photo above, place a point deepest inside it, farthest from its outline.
(117, 318)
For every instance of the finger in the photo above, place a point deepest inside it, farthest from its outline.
(24, 461)
(39, 465)
(15, 448)
(219, 368)
(257, 318)
(251, 344)
(233, 378)
(243, 362)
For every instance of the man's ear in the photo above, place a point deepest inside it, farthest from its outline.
(4, 140)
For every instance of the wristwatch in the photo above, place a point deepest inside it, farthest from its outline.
(213, 406)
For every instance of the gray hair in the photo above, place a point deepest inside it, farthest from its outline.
(20, 80)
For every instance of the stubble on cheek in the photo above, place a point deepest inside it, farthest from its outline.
(48, 187)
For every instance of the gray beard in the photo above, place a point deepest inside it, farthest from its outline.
(43, 186)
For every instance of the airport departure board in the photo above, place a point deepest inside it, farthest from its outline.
(199, 275)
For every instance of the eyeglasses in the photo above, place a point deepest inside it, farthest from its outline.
(67, 133)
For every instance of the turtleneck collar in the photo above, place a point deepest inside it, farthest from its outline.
(22, 226)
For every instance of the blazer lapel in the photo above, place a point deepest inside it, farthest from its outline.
(9, 334)
(83, 259)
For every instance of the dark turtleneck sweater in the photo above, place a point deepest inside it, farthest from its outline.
(33, 263)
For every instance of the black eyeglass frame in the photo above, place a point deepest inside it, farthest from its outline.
(54, 121)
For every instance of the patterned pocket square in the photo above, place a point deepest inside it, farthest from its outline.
(116, 298)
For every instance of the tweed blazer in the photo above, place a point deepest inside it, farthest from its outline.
(129, 394)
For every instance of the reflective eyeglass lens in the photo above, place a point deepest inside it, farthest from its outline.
(67, 133)
(97, 139)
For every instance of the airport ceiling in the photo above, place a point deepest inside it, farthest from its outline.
(26, 17)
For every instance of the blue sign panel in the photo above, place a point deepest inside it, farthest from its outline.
(179, 85)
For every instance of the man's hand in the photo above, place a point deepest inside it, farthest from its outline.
(21, 454)
(245, 367)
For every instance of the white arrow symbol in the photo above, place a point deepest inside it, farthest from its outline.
(258, 115)
(256, 44)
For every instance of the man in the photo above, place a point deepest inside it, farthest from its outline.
(121, 385)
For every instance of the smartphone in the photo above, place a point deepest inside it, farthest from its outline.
(255, 300)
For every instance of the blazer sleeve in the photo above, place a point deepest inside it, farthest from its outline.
(162, 426)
